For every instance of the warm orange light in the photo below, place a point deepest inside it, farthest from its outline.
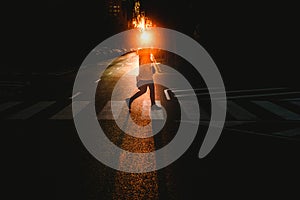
(142, 23)
(145, 36)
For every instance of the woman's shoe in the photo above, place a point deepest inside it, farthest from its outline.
(128, 104)
(155, 107)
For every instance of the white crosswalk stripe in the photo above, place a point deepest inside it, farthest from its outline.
(32, 110)
(115, 106)
(290, 132)
(119, 107)
(66, 113)
(239, 112)
(278, 110)
(113, 110)
(7, 105)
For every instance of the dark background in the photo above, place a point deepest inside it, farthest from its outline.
(254, 44)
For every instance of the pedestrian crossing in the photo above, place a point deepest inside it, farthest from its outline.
(237, 110)
(218, 95)
(67, 113)
(278, 110)
(289, 132)
(240, 113)
(32, 110)
(113, 110)
(7, 105)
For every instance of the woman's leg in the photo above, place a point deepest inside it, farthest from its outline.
(152, 93)
(142, 89)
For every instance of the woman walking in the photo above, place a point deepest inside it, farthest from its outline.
(145, 80)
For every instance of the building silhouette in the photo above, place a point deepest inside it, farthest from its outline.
(118, 14)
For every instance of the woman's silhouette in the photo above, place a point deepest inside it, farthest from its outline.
(145, 79)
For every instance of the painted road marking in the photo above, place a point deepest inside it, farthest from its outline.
(231, 92)
(289, 133)
(258, 95)
(278, 110)
(75, 95)
(116, 106)
(7, 105)
(196, 89)
(32, 110)
(239, 113)
(66, 113)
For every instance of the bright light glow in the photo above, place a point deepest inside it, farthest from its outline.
(143, 24)
(152, 57)
(140, 21)
(145, 36)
